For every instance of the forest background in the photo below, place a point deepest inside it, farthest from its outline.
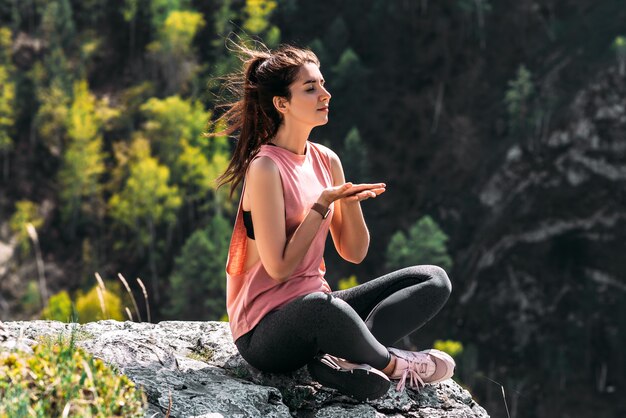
(497, 126)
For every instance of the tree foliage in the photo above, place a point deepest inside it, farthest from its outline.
(172, 50)
(425, 243)
(89, 307)
(171, 121)
(83, 160)
(7, 96)
(59, 307)
(146, 199)
(355, 156)
(257, 14)
(198, 282)
(518, 98)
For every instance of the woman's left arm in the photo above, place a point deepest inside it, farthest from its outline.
(348, 227)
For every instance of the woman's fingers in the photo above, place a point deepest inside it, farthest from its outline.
(366, 194)
(354, 192)
(356, 188)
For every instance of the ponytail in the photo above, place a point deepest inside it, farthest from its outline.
(265, 75)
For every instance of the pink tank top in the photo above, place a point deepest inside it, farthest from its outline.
(252, 294)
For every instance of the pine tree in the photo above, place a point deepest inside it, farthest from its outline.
(518, 99)
(355, 157)
(424, 244)
(198, 282)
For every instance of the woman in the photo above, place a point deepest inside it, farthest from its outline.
(283, 315)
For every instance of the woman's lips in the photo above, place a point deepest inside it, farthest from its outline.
(323, 109)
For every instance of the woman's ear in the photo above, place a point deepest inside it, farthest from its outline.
(280, 103)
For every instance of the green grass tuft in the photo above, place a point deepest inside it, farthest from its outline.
(60, 378)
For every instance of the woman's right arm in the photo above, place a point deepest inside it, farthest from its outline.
(264, 189)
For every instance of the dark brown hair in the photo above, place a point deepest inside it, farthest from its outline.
(265, 74)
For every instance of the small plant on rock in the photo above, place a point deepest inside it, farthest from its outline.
(61, 379)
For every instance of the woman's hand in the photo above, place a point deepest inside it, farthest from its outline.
(351, 192)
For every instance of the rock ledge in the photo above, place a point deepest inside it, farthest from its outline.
(193, 369)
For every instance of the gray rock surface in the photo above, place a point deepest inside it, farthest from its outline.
(193, 369)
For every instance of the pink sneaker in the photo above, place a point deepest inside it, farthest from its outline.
(421, 367)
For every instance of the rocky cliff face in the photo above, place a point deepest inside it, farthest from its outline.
(546, 259)
(193, 369)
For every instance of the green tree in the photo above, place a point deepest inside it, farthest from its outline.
(337, 36)
(198, 282)
(59, 307)
(348, 69)
(424, 244)
(518, 99)
(175, 127)
(83, 160)
(172, 50)
(57, 27)
(171, 120)
(52, 115)
(57, 24)
(145, 202)
(7, 98)
(198, 173)
(320, 50)
(257, 14)
(160, 10)
(355, 157)
(90, 307)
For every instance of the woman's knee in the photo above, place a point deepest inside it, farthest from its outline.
(440, 280)
(435, 278)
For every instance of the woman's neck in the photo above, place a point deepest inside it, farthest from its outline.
(292, 138)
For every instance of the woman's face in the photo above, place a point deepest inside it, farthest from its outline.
(309, 99)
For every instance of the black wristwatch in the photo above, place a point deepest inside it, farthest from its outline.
(321, 209)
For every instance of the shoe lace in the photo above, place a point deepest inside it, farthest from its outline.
(410, 372)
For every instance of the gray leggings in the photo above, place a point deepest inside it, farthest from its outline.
(356, 324)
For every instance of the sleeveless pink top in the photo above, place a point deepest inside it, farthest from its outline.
(252, 294)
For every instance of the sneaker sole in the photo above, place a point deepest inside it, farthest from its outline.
(360, 383)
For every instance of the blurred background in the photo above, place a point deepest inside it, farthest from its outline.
(499, 128)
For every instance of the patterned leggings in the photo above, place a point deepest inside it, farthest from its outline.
(356, 324)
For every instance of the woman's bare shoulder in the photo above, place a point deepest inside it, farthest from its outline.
(263, 165)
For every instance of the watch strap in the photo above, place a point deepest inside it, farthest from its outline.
(321, 209)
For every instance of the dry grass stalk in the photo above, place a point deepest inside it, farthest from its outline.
(145, 296)
(506, 407)
(100, 281)
(127, 287)
(101, 298)
(66, 410)
(43, 287)
(130, 315)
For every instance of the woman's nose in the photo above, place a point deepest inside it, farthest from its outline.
(326, 94)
